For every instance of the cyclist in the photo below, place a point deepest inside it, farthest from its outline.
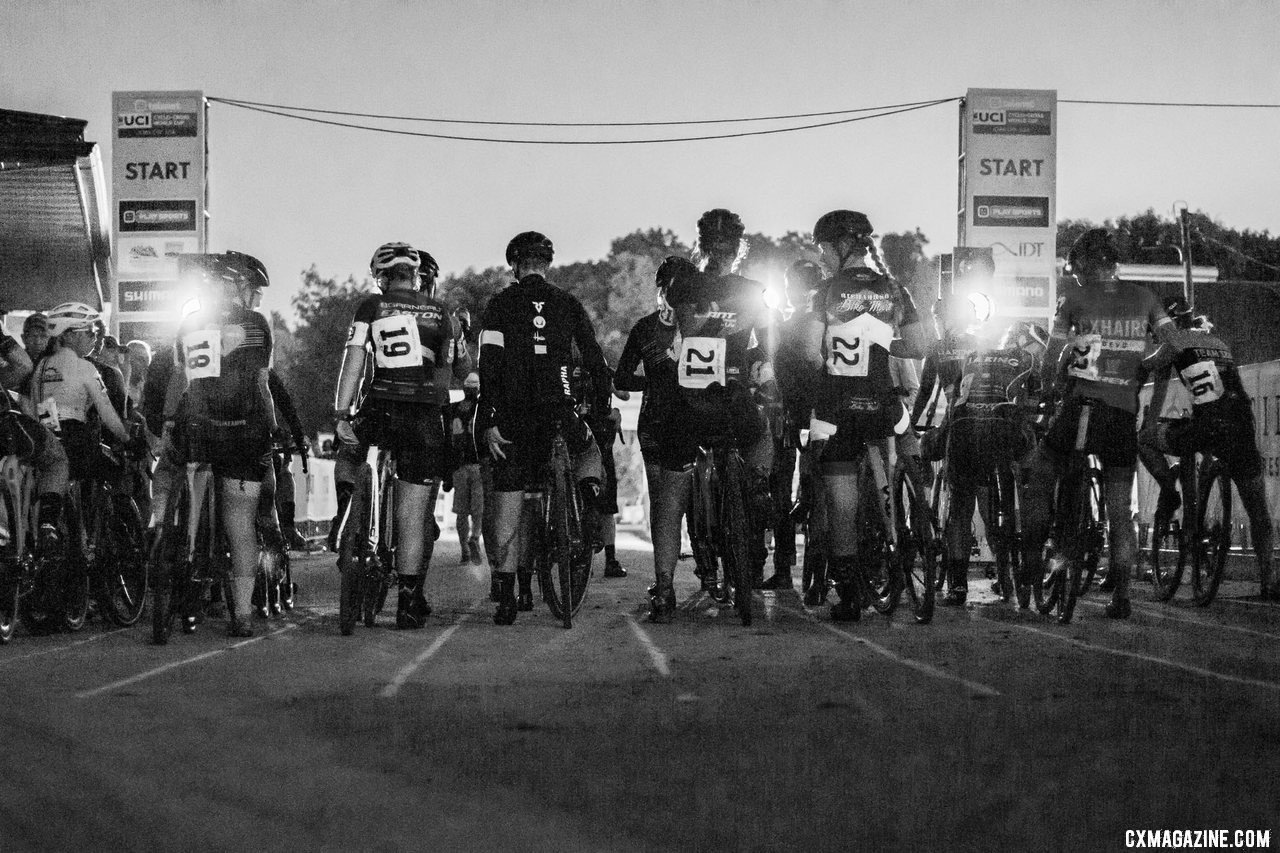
(287, 441)
(604, 426)
(1175, 406)
(722, 318)
(986, 434)
(1107, 323)
(795, 385)
(860, 317)
(1221, 422)
(527, 339)
(411, 337)
(219, 407)
(468, 488)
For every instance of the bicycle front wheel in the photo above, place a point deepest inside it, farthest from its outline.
(124, 562)
(1213, 539)
(353, 557)
(558, 550)
(918, 548)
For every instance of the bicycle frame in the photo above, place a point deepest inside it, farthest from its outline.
(714, 517)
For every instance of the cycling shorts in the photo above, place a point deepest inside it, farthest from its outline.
(237, 449)
(1112, 435)
(81, 444)
(857, 427)
(413, 433)
(529, 452)
(1227, 432)
(979, 445)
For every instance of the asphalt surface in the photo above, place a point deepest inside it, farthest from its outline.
(989, 729)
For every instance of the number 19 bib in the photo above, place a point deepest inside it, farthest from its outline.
(701, 362)
(396, 342)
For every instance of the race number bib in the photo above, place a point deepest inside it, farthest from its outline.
(701, 362)
(47, 412)
(1082, 361)
(396, 342)
(849, 345)
(1204, 382)
(203, 354)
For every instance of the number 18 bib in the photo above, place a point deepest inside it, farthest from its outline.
(203, 350)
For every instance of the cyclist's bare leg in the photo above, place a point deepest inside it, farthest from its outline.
(239, 519)
(412, 504)
(883, 458)
(505, 536)
(1253, 495)
(1040, 476)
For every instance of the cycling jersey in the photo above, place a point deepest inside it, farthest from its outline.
(717, 319)
(529, 333)
(411, 337)
(861, 311)
(943, 371)
(648, 364)
(68, 388)
(223, 356)
(1206, 367)
(992, 377)
(1107, 327)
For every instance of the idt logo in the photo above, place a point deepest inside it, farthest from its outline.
(988, 116)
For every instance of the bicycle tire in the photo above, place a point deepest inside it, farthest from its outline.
(75, 600)
(10, 573)
(1080, 524)
(1213, 542)
(354, 556)
(125, 566)
(287, 587)
(163, 611)
(918, 549)
(878, 567)
(939, 506)
(736, 560)
(1093, 533)
(559, 570)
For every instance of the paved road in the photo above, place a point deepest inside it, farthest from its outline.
(988, 729)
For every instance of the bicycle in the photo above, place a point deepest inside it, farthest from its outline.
(1204, 536)
(274, 590)
(366, 543)
(117, 563)
(190, 553)
(562, 553)
(718, 518)
(17, 548)
(1079, 530)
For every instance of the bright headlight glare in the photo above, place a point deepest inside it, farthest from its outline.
(191, 306)
(772, 298)
(982, 306)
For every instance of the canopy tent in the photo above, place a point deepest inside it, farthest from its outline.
(55, 237)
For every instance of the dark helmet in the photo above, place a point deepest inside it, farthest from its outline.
(529, 246)
(463, 316)
(673, 269)
(719, 224)
(428, 269)
(804, 275)
(1177, 307)
(1093, 248)
(252, 270)
(841, 223)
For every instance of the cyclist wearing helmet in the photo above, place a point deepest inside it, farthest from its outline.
(1221, 422)
(985, 433)
(860, 317)
(411, 338)
(220, 409)
(1175, 405)
(957, 319)
(527, 341)
(722, 321)
(1107, 323)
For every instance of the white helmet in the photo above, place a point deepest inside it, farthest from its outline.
(71, 315)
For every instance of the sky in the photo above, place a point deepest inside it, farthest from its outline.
(297, 194)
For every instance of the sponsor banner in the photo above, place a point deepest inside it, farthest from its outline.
(152, 257)
(158, 114)
(1008, 183)
(158, 215)
(135, 296)
(1003, 211)
(154, 332)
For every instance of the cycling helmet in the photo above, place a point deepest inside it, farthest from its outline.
(841, 223)
(530, 246)
(463, 316)
(719, 224)
(804, 275)
(1023, 332)
(246, 269)
(389, 255)
(71, 316)
(1177, 308)
(428, 269)
(673, 269)
(1201, 323)
(1093, 248)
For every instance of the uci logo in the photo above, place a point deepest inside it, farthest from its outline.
(988, 116)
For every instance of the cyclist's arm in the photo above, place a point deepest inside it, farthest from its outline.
(1159, 390)
(630, 375)
(493, 361)
(15, 364)
(924, 393)
(584, 335)
(101, 403)
(353, 357)
(264, 391)
(284, 402)
(913, 338)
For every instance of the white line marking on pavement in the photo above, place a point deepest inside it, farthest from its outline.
(393, 686)
(1230, 600)
(1185, 667)
(656, 656)
(976, 687)
(7, 659)
(143, 676)
(1203, 623)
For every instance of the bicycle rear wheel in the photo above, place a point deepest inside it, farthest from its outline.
(124, 562)
(1080, 527)
(10, 574)
(917, 548)
(1213, 542)
(1167, 558)
(558, 551)
(878, 569)
(354, 557)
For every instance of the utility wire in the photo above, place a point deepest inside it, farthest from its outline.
(1233, 250)
(239, 102)
(920, 106)
(1171, 104)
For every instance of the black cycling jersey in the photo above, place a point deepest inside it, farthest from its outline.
(717, 318)
(529, 334)
(992, 377)
(223, 355)
(944, 365)
(648, 364)
(411, 336)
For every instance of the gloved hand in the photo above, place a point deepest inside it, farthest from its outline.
(345, 432)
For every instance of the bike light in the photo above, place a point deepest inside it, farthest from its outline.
(191, 306)
(982, 306)
(772, 297)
